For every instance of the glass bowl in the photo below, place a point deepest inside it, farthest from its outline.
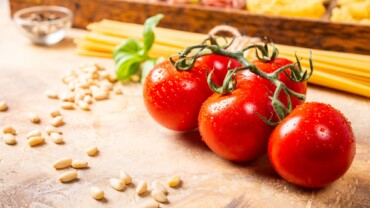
(44, 25)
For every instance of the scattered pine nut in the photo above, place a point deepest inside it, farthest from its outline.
(9, 139)
(3, 106)
(174, 181)
(151, 204)
(57, 121)
(99, 94)
(56, 137)
(126, 178)
(55, 113)
(34, 118)
(51, 94)
(63, 96)
(34, 133)
(118, 91)
(88, 99)
(68, 176)
(67, 105)
(50, 129)
(96, 193)
(63, 163)
(92, 151)
(117, 184)
(79, 164)
(158, 186)
(34, 141)
(141, 187)
(159, 196)
(83, 105)
(112, 78)
(9, 130)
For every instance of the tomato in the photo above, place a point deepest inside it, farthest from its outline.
(229, 123)
(173, 97)
(313, 146)
(271, 66)
(219, 64)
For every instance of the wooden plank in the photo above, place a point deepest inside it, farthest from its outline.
(318, 34)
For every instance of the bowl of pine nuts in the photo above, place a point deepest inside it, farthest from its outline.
(44, 25)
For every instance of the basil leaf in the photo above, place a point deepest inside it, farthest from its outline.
(128, 65)
(148, 34)
(130, 46)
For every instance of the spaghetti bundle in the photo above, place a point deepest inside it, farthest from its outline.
(341, 71)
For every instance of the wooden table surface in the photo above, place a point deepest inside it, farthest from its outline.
(129, 139)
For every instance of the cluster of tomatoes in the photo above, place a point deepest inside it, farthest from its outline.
(312, 146)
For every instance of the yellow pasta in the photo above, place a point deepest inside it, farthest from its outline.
(342, 71)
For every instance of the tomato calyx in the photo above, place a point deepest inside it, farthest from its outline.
(186, 60)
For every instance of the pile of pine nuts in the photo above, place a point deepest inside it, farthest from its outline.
(85, 85)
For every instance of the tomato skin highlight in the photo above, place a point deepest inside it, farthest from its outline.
(230, 126)
(313, 146)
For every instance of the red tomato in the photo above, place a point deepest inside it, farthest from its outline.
(268, 67)
(230, 126)
(313, 146)
(219, 64)
(173, 97)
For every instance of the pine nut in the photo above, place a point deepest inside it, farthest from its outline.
(100, 94)
(159, 196)
(51, 94)
(55, 113)
(63, 96)
(67, 105)
(3, 106)
(92, 151)
(96, 193)
(126, 178)
(9, 130)
(83, 105)
(68, 176)
(50, 129)
(63, 163)
(103, 74)
(34, 133)
(79, 164)
(56, 137)
(151, 204)
(88, 99)
(174, 181)
(141, 187)
(107, 86)
(57, 121)
(118, 91)
(158, 186)
(117, 184)
(112, 78)
(34, 118)
(9, 139)
(34, 141)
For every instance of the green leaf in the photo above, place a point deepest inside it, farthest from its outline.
(148, 34)
(128, 65)
(130, 46)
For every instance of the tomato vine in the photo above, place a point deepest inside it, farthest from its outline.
(186, 60)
